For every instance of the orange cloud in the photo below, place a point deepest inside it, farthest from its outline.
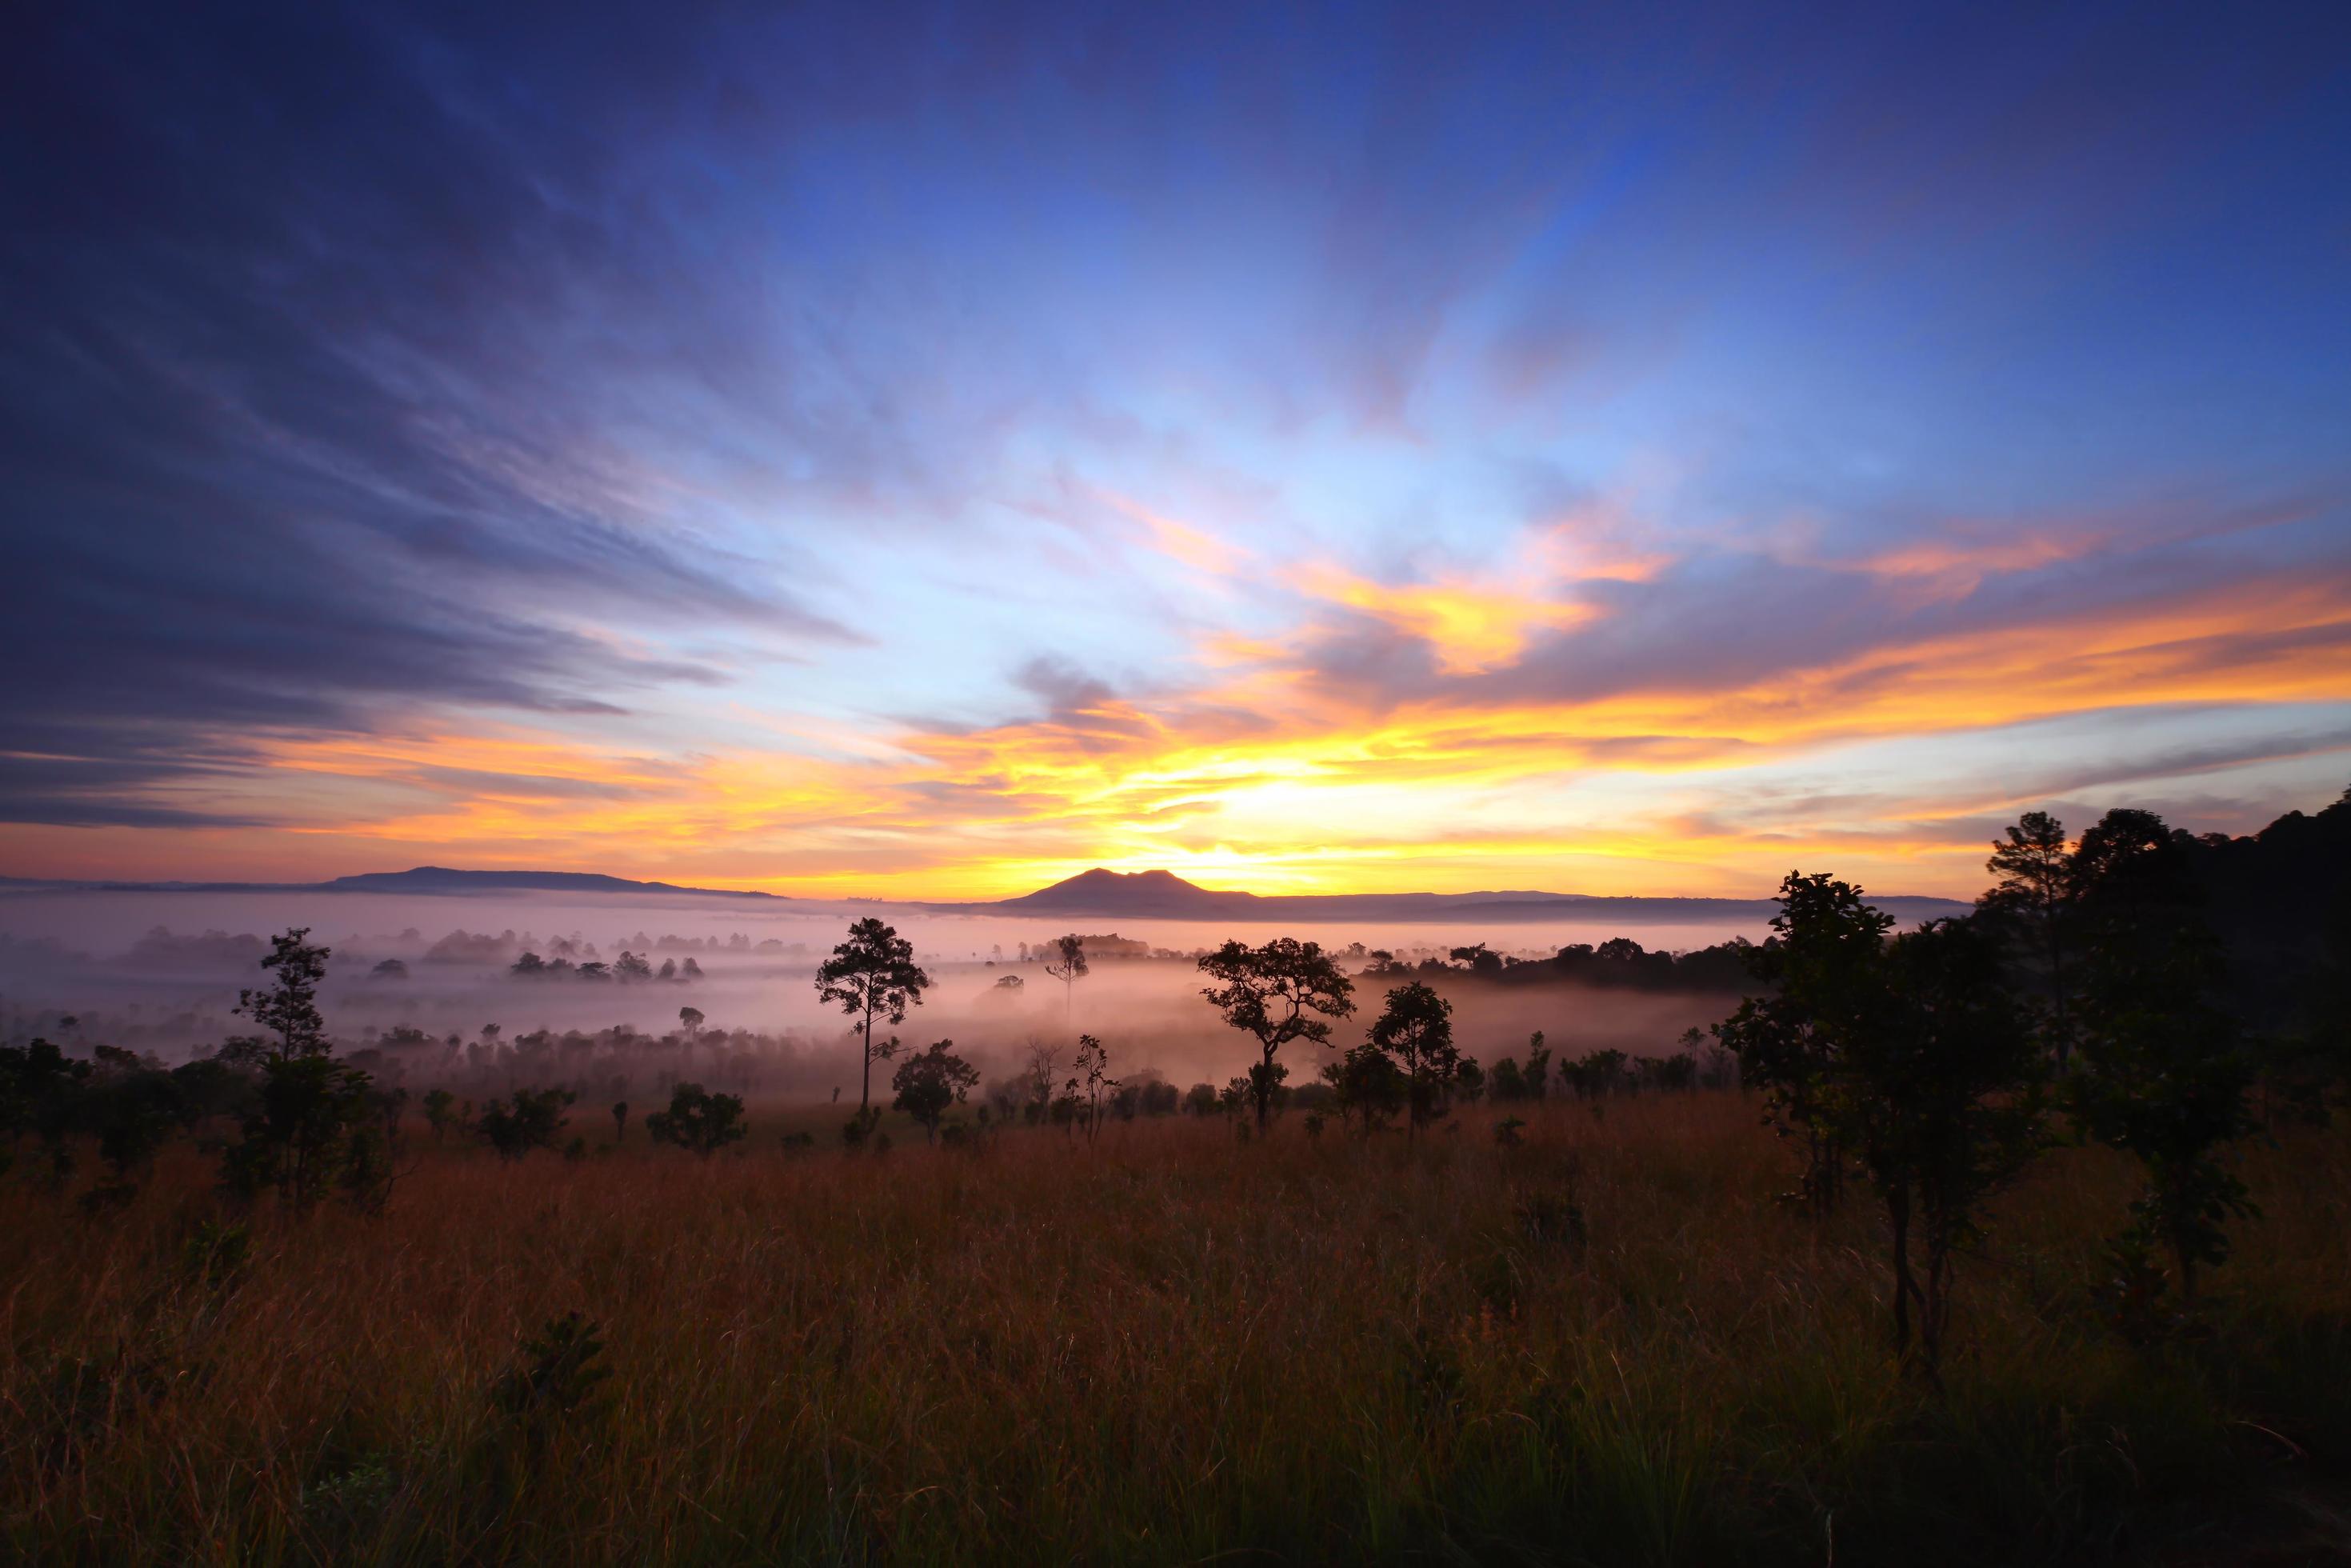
(1262, 775)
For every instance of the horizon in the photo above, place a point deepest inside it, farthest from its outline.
(673, 884)
(820, 456)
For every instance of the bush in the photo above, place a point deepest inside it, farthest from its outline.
(533, 1119)
(699, 1120)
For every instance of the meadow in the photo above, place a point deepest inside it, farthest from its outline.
(1175, 1343)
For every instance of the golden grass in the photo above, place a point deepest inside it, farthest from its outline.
(1169, 1347)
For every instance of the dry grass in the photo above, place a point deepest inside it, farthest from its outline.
(1171, 1348)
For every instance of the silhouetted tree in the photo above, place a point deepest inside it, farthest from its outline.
(1510, 1085)
(1282, 991)
(696, 1119)
(1415, 1030)
(873, 975)
(1367, 1086)
(620, 1121)
(290, 1007)
(1091, 1079)
(928, 1082)
(2163, 1076)
(1478, 959)
(1068, 966)
(38, 1085)
(531, 1119)
(2033, 899)
(1936, 1094)
(302, 1134)
(1826, 963)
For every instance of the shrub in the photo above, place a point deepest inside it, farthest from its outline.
(533, 1119)
(696, 1119)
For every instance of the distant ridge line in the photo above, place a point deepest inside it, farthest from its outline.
(1135, 895)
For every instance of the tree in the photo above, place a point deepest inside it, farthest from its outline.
(1824, 960)
(1941, 1098)
(689, 1023)
(302, 1134)
(1510, 1085)
(1908, 1056)
(1416, 1029)
(2163, 1076)
(1285, 990)
(698, 1121)
(532, 1119)
(1469, 1080)
(1367, 1086)
(1536, 1076)
(619, 1120)
(928, 1082)
(873, 975)
(1070, 968)
(38, 1085)
(1093, 1078)
(1038, 1078)
(289, 1009)
(1478, 959)
(440, 1111)
(2034, 898)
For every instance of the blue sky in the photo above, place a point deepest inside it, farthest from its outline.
(909, 449)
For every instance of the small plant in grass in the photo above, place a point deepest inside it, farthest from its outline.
(1508, 1131)
(1553, 1218)
(857, 1132)
(697, 1120)
(215, 1252)
(557, 1377)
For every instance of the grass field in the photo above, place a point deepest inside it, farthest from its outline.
(1608, 1344)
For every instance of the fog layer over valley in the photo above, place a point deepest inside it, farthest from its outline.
(158, 974)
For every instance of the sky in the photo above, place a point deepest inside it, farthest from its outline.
(927, 451)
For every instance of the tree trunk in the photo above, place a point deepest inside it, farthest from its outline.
(865, 1088)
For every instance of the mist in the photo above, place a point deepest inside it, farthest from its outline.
(159, 973)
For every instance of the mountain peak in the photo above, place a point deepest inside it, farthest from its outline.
(1101, 891)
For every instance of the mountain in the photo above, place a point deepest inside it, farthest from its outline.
(1163, 896)
(1160, 895)
(422, 878)
(442, 879)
